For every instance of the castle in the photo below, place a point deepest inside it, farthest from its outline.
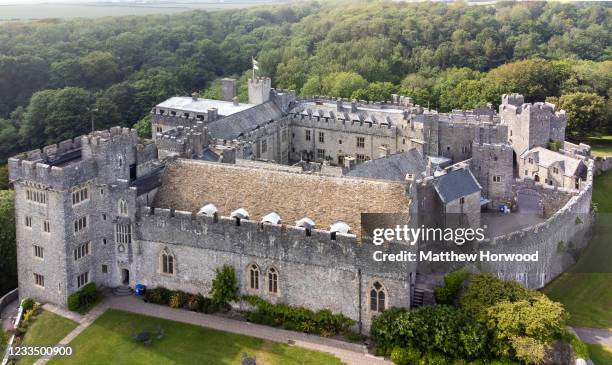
(276, 188)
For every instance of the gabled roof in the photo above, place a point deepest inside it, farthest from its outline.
(546, 158)
(245, 121)
(456, 183)
(393, 167)
(190, 184)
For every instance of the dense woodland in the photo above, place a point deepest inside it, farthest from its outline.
(55, 74)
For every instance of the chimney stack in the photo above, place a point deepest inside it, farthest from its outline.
(195, 96)
(354, 106)
(228, 89)
(235, 101)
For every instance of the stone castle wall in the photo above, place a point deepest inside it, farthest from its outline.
(315, 271)
(559, 241)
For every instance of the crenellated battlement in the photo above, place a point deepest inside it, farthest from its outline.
(340, 124)
(56, 177)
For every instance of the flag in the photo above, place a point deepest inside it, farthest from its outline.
(255, 64)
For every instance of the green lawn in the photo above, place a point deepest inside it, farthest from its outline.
(46, 329)
(600, 146)
(600, 355)
(586, 290)
(109, 341)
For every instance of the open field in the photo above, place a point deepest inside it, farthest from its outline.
(601, 146)
(46, 330)
(586, 291)
(96, 10)
(109, 340)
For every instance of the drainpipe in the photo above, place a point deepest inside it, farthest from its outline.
(359, 278)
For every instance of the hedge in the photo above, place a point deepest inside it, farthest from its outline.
(82, 298)
(323, 322)
(181, 299)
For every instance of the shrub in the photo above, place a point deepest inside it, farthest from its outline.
(224, 285)
(405, 356)
(27, 304)
(434, 358)
(452, 284)
(323, 322)
(80, 299)
(384, 333)
(176, 299)
(74, 301)
(579, 347)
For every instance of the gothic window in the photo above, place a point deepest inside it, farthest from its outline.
(377, 297)
(80, 196)
(320, 153)
(360, 158)
(254, 277)
(80, 224)
(123, 207)
(308, 135)
(38, 252)
(167, 262)
(82, 279)
(28, 221)
(123, 233)
(321, 137)
(272, 280)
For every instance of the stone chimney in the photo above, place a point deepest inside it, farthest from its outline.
(228, 155)
(354, 106)
(235, 101)
(339, 106)
(195, 96)
(228, 89)
(211, 114)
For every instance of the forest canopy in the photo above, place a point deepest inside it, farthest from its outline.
(56, 74)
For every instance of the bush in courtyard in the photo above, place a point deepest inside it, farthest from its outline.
(224, 285)
(177, 298)
(81, 298)
(452, 284)
(159, 295)
(323, 322)
(27, 304)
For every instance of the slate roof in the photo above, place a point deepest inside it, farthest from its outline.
(545, 158)
(456, 183)
(187, 104)
(245, 121)
(393, 167)
(190, 184)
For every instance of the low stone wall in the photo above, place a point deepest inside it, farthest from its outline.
(603, 164)
(8, 298)
(559, 241)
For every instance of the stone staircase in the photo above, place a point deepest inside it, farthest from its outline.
(123, 291)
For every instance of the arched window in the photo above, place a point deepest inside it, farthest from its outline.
(272, 280)
(123, 207)
(377, 297)
(254, 277)
(167, 262)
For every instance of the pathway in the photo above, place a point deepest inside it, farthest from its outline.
(349, 353)
(8, 316)
(83, 320)
(595, 335)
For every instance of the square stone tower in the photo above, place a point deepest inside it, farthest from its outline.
(259, 90)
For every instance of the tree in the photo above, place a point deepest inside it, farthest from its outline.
(99, 69)
(224, 285)
(8, 248)
(4, 177)
(143, 127)
(586, 113)
(56, 115)
(523, 328)
(343, 84)
(312, 86)
(534, 78)
(375, 91)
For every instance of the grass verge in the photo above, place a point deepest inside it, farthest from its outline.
(586, 290)
(109, 340)
(46, 330)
